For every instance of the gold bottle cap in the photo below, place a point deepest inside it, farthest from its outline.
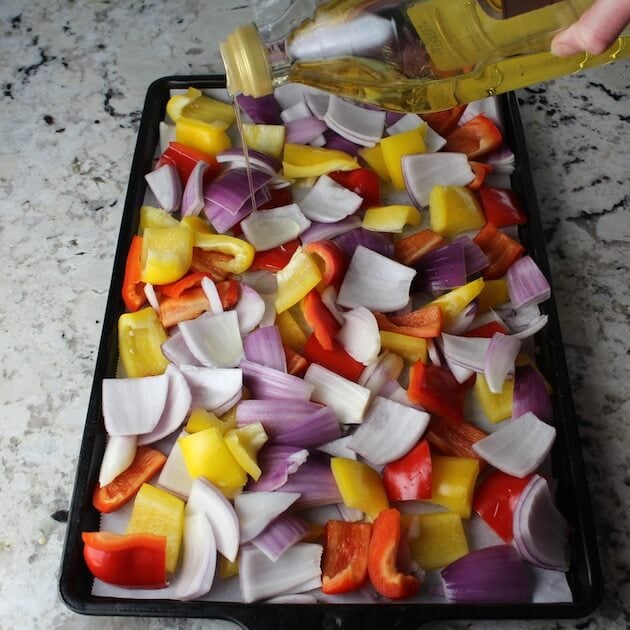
(246, 64)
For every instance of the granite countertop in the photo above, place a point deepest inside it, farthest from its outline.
(73, 78)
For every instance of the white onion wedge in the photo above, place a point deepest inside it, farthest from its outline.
(355, 123)
(166, 185)
(174, 475)
(133, 405)
(274, 227)
(120, 451)
(329, 202)
(152, 299)
(212, 387)
(192, 199)
(250, 309)
(466, 352)
(204, 498)
(212, 294)
(177, 352)
(360, 335)
(388, 367)
(500, 360)
(256, 510)
(338, 448)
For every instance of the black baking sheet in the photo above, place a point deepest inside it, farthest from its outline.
(584, 577)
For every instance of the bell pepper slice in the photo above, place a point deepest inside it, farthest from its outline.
(156, 511)
(500, 249)
(410, 348)
(200, 419)
(360, 486)
(345, 557)
(244, 444)
(208, 262)
(318, 316)
(133, 287)
(185, 158)
(274, 259)
(140, 337)
(188, 305)
(291, 333)
(425, 322)
(334, 262)
(145, 465)
(152, 217)
(496, 406)
(131, 560)
(454, 439)
(445, 121)
(296, 363)
(373, 156)
(336, 359)
(409, 478)
(481, 171)
(209, 138)
(453, 210)
(300, 160)
(457, 300)
(382, 554)
(362, 181)
(476, 138)
(195, 104)
(501, 206)
(189, 281)
(240, 252)
(391, 218)
(495, 498)
(396, 146)
(410, 249)
(436, 389)
(166, 253)
(454, 482)
(441, 539)
(487, 330)
(494, 293)
(296, 279)
(267, 139)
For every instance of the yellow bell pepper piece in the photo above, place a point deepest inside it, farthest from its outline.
(156, 511)
(361, 487)
(151, 217)
(494, 293)
(411, 349)
(244, 444)
(210, 138)
(453, 482)
(227, 568)
(194, 104)
(440, 539)
(268, 139)
(300, 160)
(391, 218)
(200, 419)
(206, 454)
(453, 210)
(373, 156)
(198, 225)
(166, 253)
(241, 251)
(296, 279)
(396, 146)
(456, 300)
(290, 332)
(496, 406)
(140, 337)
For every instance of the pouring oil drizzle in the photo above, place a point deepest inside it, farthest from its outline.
(248, 168)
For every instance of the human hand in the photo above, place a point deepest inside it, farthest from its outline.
(595, 31)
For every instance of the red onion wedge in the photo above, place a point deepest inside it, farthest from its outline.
(192, 199)
(357, 124)
(120, 451)
(196, 573)
(329, 202)
(526, 283)
(281, 534)
(441, 269)
(296, 570)
(523, 322)
(211, 387)
(256, 510)
(360, 335)
(214, 339)
(274, 227)
(325, 231)
(262, 110)
(376, 241)
(205, 499)
(257, 160)
(519, 447)
(222, 219)
(133, 405)
(177, 406)
(266, 383)
(305, 130)
(314, 482)
(348, 399)
(530, 394)
(277, 462)
(166, 185)
(385, 288)
(264, 346)
(502, 161)
(491, 575)
(422, 171)
(541, 532)
(389, 431)
(230, 190)
(499, 360)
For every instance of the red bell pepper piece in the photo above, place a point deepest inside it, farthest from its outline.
(336, 360)
(126, 559)
(274, 259)
(362, 181)
(318, 316)
(279, 197)
(495, 499)
(476, 138)
(410, 249)
(185, 158)
(147, 463)
(486, 330)
(445, 121)
(344, 565)
(436, 389)
(230, 293)
(425, 322)
(500, 249)
(133, 288)
(501, 206)
(296, 363)
(409, 478)
(205, 261)
(190, 280)
(454, 438)
(382, 555)
(334, 260)
(481, 171)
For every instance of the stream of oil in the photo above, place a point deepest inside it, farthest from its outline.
(248, 168)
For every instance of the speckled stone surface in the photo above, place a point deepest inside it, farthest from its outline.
(73, 77)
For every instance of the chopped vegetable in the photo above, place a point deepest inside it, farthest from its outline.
(453, 480)
(409, 477)
(476, 138)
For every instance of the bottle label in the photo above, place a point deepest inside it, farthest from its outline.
(512, 8)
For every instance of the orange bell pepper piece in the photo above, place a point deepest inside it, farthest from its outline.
(133, 287)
